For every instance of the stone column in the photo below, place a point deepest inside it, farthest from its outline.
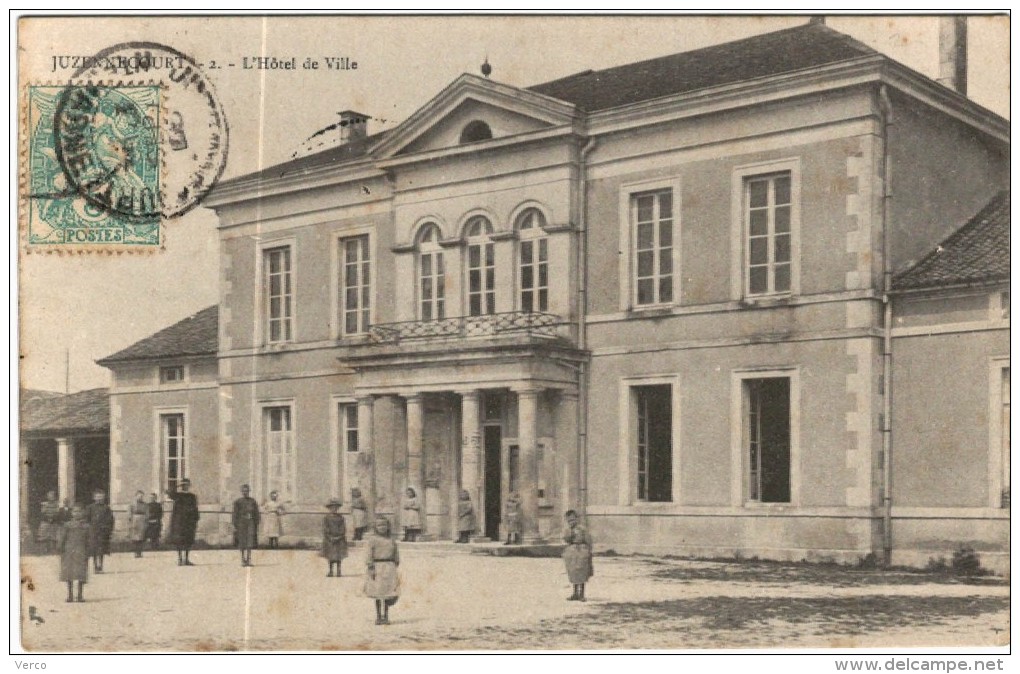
(65, 469)
(365, 470)
(415, 465)
(527, 434)
(470, 456)
(567, 448)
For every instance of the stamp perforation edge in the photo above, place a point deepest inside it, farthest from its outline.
(24, 189)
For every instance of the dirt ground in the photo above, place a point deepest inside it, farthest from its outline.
(453, 600)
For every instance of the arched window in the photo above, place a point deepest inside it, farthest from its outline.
(533, 261)
(481, 267)
(431, 275)
(475, 131)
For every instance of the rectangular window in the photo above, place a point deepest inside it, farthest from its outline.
(767, 419)
(348, 427)
(279, 450)
(278, 288)
(768, 210)
(355, 287)
(432, 285)
(652, 224)
(654, 442)
(171, 374)
(534, 274)
(172, 441)
(481, 279)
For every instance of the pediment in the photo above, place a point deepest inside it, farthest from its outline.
(503, 110)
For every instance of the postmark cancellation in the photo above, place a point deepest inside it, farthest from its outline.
(91, 166)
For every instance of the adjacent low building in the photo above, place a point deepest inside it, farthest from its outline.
(65, 448)
(950, 404)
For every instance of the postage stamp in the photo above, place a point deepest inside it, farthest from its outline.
(135, 138)
(93, 170)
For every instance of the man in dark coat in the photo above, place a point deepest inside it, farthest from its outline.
(183, 521)
(246, 524)
(100, 520)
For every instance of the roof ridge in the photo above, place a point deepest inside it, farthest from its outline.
(728, 44)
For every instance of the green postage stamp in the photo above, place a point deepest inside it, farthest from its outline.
(93, 165)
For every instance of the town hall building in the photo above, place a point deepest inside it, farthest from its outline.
(680, 296)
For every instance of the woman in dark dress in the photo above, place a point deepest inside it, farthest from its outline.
(246, 524)
(183, 521)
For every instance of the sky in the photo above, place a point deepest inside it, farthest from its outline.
(82, 308)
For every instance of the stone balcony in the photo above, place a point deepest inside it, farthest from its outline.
(515, 345)
(512, 323)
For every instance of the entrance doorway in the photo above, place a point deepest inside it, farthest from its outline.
(493, 505)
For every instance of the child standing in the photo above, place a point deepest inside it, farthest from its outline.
(381, 580)
(73, 546)
(465, 517)
(359, 513)
(412, 516)
(512, 518)
(138, 519)
(334, 536)
(154, 521)
(577, 555)
(273, 511)
(100, 520)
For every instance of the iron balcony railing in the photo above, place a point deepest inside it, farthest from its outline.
(530, 323)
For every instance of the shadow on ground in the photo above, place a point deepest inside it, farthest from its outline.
(720, 621)
(811, 574)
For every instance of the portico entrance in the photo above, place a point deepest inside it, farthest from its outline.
(483, 415)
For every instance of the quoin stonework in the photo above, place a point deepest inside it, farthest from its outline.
(750, 299)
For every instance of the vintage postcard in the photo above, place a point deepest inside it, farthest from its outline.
(504, 333)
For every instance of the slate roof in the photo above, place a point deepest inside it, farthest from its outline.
(334, 156)
(976, 252)
(775, 53)
(196, 335)
(74, 414)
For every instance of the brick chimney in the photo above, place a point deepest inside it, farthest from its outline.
(353, 126)
(953, 53)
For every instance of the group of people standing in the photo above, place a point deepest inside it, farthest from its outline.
(467, 524)
(80, 533)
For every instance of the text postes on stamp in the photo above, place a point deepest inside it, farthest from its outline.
(194, 133)
(93, 166)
